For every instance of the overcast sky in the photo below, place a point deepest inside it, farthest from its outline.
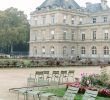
(30, 5)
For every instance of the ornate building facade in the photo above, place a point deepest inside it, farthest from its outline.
(63, 29)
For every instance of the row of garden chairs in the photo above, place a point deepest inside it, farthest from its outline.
(69, 94)
(55, 76)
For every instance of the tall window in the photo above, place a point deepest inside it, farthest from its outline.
(52, 19)
(36, 21)
(72, 50)
(83, 37)
(94, 50)
(94, 35)
(64, 35)
(80, 20)
(106, 35)
(83, 51)
(36, 35)
(43, 50)
(64, 50)
(72, 35)
(35, 50)
(52, 50)
(105, 19)
(52, 34)
(43, 34)
(106, 50)
(44, 20)
(72, 20)
(64, 19)
(94, 20)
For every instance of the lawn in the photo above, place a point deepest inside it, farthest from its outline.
(60, 92)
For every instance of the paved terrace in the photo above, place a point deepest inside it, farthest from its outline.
(15, 78)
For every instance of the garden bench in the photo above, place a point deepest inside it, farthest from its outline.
(70, 93)
(90, 95)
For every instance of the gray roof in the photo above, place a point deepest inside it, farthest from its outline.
(67, 4)
(95, 7)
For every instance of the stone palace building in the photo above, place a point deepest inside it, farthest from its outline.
(63, 29)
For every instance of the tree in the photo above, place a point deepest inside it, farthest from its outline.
(14, 29)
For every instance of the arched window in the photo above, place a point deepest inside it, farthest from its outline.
(72, 50)
(64, 49)
(94, 50)
(83, 51)
(106, 50)
(43, 50)
(52, 51)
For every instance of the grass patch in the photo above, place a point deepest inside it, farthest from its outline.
(61, 91)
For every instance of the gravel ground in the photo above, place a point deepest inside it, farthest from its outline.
(13, 78)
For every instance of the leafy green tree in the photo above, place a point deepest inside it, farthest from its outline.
(14, 29)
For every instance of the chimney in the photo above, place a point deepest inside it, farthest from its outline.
(104, 4)
(88, 4)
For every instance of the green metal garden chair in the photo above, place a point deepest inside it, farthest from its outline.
(63, 76)
(90, 95)
(41, 86)
(34, 91)
(56, 76)
(70, 93)
(31, 80)
(47, 76)
(39, 74)
(71, 74)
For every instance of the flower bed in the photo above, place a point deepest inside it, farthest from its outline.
(104, 92)
(94, 82)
